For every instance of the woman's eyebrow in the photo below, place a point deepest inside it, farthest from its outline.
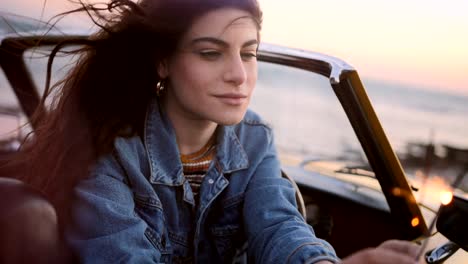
(222, 43)
(250, 43)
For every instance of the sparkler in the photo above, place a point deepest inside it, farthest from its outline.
(445, 198)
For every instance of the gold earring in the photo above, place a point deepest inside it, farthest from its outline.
(159, 87)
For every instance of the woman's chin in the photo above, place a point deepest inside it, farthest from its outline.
(232, 119)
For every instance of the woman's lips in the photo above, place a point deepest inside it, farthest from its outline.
(232, 98)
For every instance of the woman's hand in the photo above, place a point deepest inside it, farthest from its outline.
(389, 252)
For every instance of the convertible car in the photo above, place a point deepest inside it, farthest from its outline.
(350, 184)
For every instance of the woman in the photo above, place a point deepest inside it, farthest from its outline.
(152, 133)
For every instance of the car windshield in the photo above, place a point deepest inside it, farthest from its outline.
(36, 60)
(11, 115)
(308, 121)
(426, 128)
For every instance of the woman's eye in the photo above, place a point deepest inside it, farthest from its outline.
(210, 54)
(248, 55)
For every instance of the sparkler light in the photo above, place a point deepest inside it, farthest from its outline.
(446, 197)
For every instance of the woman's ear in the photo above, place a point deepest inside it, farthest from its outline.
(163, 69)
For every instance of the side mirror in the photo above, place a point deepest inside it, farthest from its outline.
(453, 221)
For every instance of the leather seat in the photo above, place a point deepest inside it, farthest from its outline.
(28, 226)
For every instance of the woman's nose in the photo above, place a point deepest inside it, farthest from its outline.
(235, 71)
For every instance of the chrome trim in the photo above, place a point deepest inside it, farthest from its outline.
(38, 34)
(334, 67)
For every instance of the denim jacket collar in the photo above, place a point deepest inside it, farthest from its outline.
(163, 154)
(230, 153)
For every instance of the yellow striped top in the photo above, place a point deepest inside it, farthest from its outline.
(196, 165)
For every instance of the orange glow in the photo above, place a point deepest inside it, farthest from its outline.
(396, 191)
(415, 222)
(446, 197)
(434, 190)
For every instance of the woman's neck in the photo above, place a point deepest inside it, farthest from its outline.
(191, 134)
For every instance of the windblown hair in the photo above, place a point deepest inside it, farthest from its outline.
(106, 93)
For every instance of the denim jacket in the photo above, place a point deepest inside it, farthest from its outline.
(137, 207)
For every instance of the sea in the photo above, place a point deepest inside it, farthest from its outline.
(304, 109)
(308, 120)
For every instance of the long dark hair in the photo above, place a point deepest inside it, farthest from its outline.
(106, 93)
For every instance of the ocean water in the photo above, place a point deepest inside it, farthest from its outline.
(412, 114)
(308, 119)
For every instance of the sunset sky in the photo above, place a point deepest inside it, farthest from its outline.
(419, 42)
